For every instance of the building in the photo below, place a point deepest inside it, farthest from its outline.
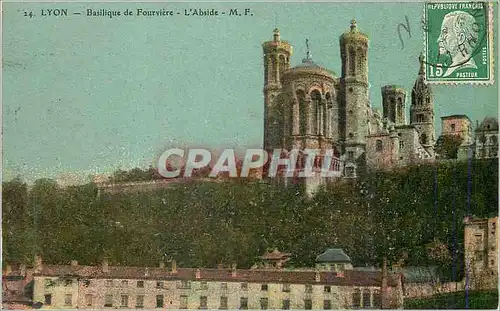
(15, 289)
(481, 252)
(461, 126)
(486, 139)
(310, 107)
(106, 286)
(333, 259)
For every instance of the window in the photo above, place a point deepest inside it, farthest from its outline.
(452, 126)
(48, 299)
(159, 284)
(492, 262)
(327, 304)
(139, 301)
(185, 284)
(68, 282)
(109, 283)
(204, 285)
(356, 298)
(423, 139)
(49, 283)
(159, 301)
(350, 155)
(68, 300)
(223, 302)
(264, 287)
(401, 144)
(286, 304)
(88, 300)
(366, 298)
(108, 301)
(140, 284)
(124, 283)
(377, 299)
(203, 302)
(309, 288)
(378, 146)
(328, 289)
(244, 286)
(307, 304)
(244, 303)
(286, 288)
(124, 301)
(264, 303)
(183, 302)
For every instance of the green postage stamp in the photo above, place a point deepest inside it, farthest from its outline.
(458, 42)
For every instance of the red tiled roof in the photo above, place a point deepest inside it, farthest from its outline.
(351, 277)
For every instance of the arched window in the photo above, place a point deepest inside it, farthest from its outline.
(327, 115)
(352, 61)
(494, 139)
(423, 139)
(356, 298)
(378, 145)
(316, 112)
(282, 65)
(266, 67)
(301, 98)
(360, 61)
(274, 68)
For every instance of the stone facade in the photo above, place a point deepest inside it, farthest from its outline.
(75, 286)
(486, 139)
(481, 252)
(309, 106)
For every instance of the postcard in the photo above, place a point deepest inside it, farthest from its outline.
(250, 155)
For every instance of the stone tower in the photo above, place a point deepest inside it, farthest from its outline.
(422, 110)
(354, 92)
(393, 104)
(276, 60)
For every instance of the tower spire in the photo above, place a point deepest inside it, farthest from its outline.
(421, 70)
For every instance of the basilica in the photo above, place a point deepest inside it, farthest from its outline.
(309, 107)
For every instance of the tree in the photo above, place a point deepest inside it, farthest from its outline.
(447, 146)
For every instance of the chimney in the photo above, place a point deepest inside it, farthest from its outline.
(174, 266)
(162, 264)
(317, 276)
(23, 269)
(105, 265)
(8, 270)
(220, 266)
(198, 274)
(38, 264)
(74, 263)
(233, 270)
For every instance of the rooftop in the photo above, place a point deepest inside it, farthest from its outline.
(456, 116)
(349, 277)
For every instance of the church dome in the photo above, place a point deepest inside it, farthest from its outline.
(308, 66)
(353, 35)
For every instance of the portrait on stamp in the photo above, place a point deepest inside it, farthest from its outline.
(457, 39)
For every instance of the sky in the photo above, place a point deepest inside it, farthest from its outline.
(89, 95)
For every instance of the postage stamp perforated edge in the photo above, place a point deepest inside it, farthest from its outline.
(491, 42)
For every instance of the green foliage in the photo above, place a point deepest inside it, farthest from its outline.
(447, 146)
(203, 223)
(477, 300)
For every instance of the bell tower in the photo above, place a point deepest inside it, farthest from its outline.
(422, 110)
(355, 105)
(277, 55)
